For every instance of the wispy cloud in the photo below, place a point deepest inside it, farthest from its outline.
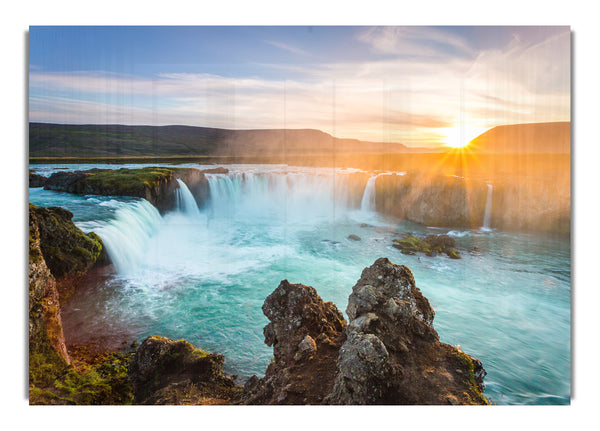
(288, 47)
(416, 42)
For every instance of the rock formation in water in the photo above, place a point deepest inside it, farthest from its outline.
(392, 353)
(431, 245)
(306, 334)
(389, 353)
(36, 180)
(155, 184)
(165, 371)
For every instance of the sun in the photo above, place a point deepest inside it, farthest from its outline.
(457, 144)
(459, 136)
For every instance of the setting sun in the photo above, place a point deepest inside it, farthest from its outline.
(459, 136)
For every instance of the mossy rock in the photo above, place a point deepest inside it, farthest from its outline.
(64, 247)
(452, 253)
(103, 383)
(431, 245)
(160, 363)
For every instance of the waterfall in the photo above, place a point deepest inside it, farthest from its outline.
(127, 236)
(368, 199)
(185, 201)
(279, 197)
(488, 209)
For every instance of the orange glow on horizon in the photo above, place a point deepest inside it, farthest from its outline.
(461, 135)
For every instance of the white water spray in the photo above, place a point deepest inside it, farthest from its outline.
(126, 237)
(297, 197)
(368, 199)
(488, 209)
(185, 201)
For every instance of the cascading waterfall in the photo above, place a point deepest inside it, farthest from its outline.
(291, 196)
(488, 208)
(185, 200)
(368, 199)
(127, 236)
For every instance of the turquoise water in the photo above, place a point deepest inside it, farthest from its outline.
(203, 276)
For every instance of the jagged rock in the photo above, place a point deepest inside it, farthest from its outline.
(354, 237)
(295, 311)
(302, 371)
(392, 354)
(306, 349)
(45, 326)
(165, 371)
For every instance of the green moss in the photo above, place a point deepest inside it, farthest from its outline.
(431, 245)
(128, 182)
(452, 253)
(64, 247)
(476, 395)
(106, 382)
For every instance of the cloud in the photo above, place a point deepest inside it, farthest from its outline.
(380, 99)
(416, 42)
(287, 47)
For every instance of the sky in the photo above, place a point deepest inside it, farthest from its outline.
(419, 86)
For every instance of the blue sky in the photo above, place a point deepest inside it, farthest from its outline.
(421, 86)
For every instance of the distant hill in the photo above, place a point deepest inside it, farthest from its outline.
(525, 138)
(61, 140)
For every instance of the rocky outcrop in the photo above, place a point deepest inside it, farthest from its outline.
(517, 203)
(165, 371)
(45, 326)
(431, 245)
(65, 248)
(389, 353)
(36, 180)
(392, 354)
(432, 200)
(306, 334)
(59, 256)
(156, 185)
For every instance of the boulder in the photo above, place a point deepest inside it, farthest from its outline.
(165, 371)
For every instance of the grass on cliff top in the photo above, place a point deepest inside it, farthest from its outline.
(129, 180)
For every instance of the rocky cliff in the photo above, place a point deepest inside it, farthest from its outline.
(532, 204)
(156, 185)
(59, 255)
